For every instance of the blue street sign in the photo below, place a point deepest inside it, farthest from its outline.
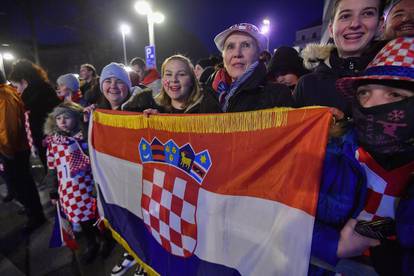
(150, 57)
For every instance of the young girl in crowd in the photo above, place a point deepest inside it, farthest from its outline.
(383, 151)
(70, 171)
(180, 91)
(353, 26)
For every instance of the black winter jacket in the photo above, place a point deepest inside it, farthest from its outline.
(39, 98)
(257, 93)
(205, 104)
(319, 87)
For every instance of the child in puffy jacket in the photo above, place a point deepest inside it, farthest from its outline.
(70, 172)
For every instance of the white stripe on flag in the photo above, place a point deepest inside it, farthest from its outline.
(255, 236)
(119, 181)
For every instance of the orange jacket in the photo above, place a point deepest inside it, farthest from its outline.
(12, 132)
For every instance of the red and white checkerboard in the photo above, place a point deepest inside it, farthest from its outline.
(399, 52)
(75, 192)
(394, 62)
(384, 187)
(169, 204)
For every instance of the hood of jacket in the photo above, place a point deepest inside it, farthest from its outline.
(50, 127)
(313, 54)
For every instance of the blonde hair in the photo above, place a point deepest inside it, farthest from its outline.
(164, 100)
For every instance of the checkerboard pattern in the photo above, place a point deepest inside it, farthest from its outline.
(394, 62)
(399, 52)
(169, 208)
(76, 199)
(384, 188)
(28, 131)
(75, 192)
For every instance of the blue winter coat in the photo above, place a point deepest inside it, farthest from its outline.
(341, 197)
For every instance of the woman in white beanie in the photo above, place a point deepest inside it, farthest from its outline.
(242, 85)
(68, 89)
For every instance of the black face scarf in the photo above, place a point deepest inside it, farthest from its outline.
(386, 129)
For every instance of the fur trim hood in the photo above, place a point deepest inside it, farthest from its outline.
(50, 127)
(314, 54)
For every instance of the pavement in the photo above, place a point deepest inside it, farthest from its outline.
(29, 254)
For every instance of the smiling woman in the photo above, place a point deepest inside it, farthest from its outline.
(353, 26)
(115, 86)
(242, 85)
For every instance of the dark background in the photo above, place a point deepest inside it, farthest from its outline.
(67, 33)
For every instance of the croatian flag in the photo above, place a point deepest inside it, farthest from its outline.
(213, 194)
(62, 233)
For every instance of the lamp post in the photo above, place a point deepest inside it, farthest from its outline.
(125, 30)
(144, 8)
(266, 30)
(6, 56)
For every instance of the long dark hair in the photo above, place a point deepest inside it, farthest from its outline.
(24, 69)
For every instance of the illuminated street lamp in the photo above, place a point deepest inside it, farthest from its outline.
(265, 29)
(144, 8)
(5, 56)
(125, 30)
(8, 56)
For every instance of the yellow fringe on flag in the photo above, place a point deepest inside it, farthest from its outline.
(149, 270)
(205, 123)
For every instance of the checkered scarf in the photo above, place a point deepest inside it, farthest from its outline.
(29, 135)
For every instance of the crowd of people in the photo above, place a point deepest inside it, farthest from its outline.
(364, 223)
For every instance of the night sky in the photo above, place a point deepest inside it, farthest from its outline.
(189, 28)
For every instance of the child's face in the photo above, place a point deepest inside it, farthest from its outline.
(177, 81)
(65, 122)
(375, 94)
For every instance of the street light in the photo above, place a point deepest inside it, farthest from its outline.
(8, 56)
(5, 56)
(265, 29)
(125, 30)
(157, 17)
(144, 8)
